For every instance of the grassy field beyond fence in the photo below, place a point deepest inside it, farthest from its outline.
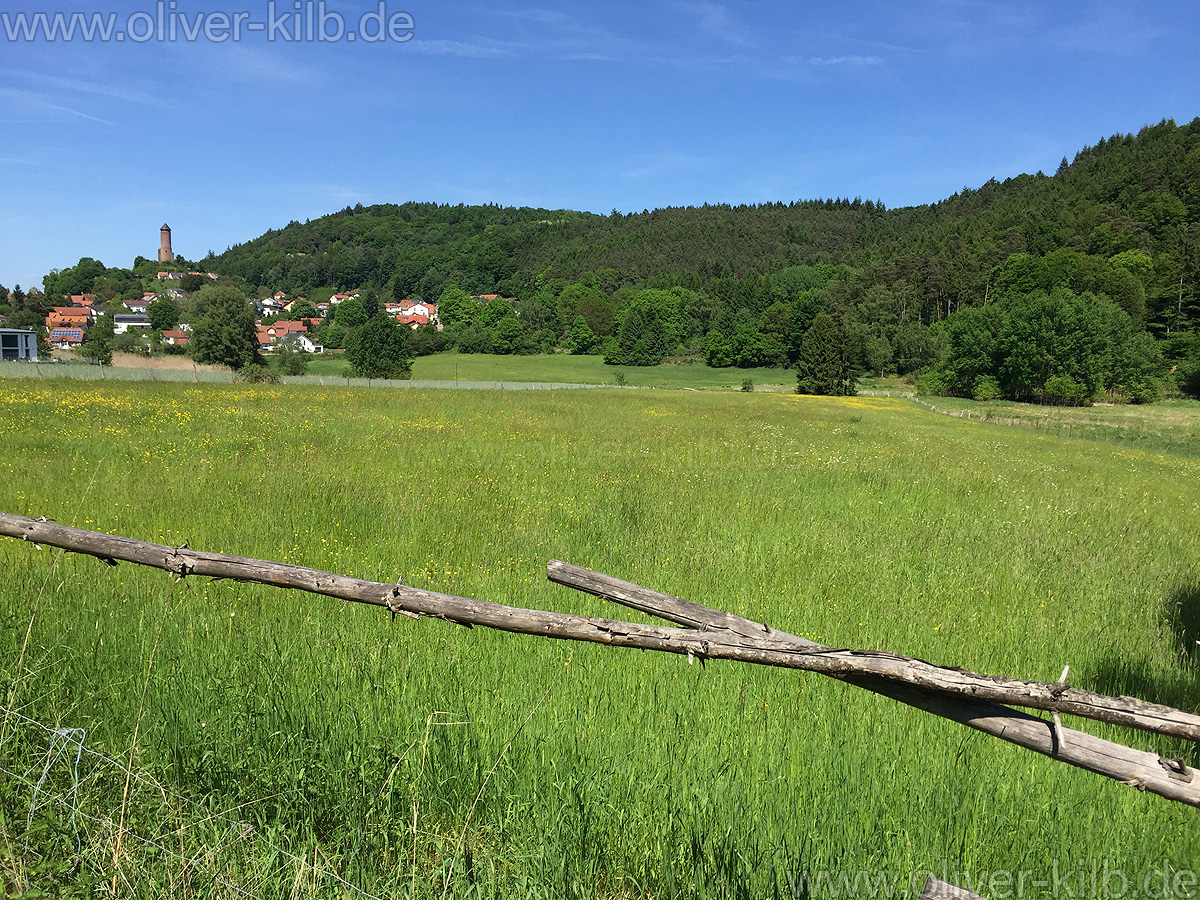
(445, 368)
(286, 745)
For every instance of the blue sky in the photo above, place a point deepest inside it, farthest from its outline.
(581, 105)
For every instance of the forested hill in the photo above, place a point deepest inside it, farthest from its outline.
(1127, 193)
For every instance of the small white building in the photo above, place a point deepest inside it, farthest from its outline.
(302, 342)
(18, 344)
(123, 322)
(419, 309)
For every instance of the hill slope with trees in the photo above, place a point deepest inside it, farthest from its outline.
(1113, 235)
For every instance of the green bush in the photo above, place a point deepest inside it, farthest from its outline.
(930, 383)
(291, 360)
(1063, 390)
(256, 374)
(987, 388)
(748, 385)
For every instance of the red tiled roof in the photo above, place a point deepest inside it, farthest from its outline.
(69, 315)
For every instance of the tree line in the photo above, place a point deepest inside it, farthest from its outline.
(1116, 228)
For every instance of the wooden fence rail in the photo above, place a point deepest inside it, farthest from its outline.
(971, 699)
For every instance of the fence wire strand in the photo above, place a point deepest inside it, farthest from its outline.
(61, 741)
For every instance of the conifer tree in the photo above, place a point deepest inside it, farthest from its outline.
(823, 367)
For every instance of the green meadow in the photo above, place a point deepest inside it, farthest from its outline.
(243, 741)
(567, 368)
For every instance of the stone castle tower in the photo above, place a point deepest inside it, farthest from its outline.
(165, 254)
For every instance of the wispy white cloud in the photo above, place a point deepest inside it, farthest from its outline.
(81, 86)
(970, 30)
(38, 101)
(716, 21)
(553, 34)
(840, 60)
(79, 113)
(542, 16)
(595, 35)
(595, 57)
(246, 62)
(1114, 31)
(458, 48)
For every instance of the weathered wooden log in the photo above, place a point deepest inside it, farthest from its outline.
(1170, 778)
(1054, 697)
(936, 889)
(710, 634)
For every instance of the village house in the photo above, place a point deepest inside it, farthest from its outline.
(122, 322)
(413, 313)
(301, 341)
(17, 344)
(420, 308)
(76, 316)
(413, 322)
(177, 338)
(65, 338)
(273, 333)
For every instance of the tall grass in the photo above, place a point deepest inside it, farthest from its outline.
(1171, 426)
(535, 768)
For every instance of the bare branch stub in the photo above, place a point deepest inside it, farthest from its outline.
(936, 889)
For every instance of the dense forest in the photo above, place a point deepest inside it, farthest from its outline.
(1046, 287)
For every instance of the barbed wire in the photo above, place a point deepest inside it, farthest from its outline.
(62, 740)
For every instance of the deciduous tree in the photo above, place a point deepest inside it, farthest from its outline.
(456, 308)
(351, 313)
(380, 349)
(163, 314)
(98, 348)
(223, 330)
